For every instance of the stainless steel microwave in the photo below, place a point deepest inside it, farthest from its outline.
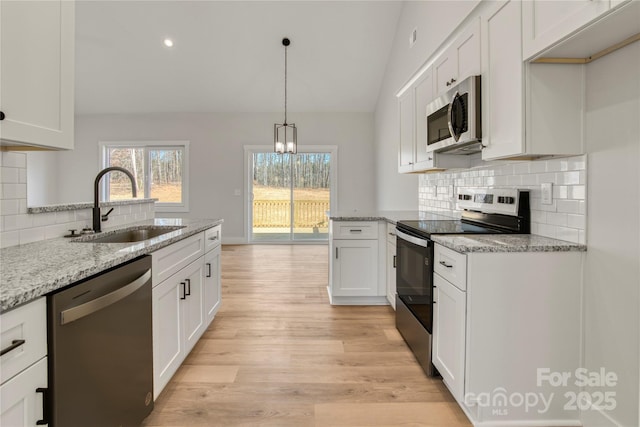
(454, 124)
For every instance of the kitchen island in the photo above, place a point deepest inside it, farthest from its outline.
(35, 269)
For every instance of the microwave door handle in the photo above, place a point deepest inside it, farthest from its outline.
(455, 135)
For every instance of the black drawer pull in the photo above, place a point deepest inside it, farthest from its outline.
(188, 286)
(14, 344)
(184, 290)
(208, 269)
(355, 231)
(45, 406)
(445, 264)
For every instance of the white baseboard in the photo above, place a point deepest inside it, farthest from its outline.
(234, 240)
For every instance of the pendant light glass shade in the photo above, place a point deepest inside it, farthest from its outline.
(285, 135)
(285, 138)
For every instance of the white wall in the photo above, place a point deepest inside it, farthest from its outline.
(216, 155)
(434, 21)
(612, 271)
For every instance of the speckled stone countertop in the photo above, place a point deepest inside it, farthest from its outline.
(35, 269)
(505, 243)
(85, 205)
(392, 216)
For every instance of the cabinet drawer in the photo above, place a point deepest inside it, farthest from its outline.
(355, 230)
(451, 265)
(212, 237)
(29, 324)
(391, 233)
(172, 258)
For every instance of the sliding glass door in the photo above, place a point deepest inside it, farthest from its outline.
(291, 196)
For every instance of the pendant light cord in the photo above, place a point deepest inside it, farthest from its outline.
(285, 85)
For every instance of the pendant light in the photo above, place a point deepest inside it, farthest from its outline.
(285, 135)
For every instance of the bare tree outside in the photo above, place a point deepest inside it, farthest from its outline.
(291, 194)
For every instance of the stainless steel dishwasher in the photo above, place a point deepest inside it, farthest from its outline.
(100, 349)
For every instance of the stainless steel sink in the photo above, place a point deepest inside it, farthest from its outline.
(129, 235)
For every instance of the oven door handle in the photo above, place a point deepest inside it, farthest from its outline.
(415, 240)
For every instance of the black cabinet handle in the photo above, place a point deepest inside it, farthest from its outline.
(14, 344)
(188, 286)
(184, 290)
(353, 230)
(45, 406)
(1, 115)
(208, 269)
(445, 264)
(394, 260)
(336, 253)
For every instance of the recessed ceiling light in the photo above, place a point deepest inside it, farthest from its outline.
(168, 42)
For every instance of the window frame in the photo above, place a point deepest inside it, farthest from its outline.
(148, 146)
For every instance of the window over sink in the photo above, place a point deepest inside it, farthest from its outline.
(160, 169)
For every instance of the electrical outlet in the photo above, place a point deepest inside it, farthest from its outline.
(547, 193)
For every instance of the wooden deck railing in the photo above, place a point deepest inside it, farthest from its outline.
(277, 213)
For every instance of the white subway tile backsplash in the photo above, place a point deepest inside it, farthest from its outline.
(9, 175)
(14, 191)
(577, 192)
(29, 235)
(565, 218)
(10, 207)
(555, 218)
(9, 238)
(13, 160)
(65, 216)
(572, 206)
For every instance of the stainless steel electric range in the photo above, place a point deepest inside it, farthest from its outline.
(484, 211)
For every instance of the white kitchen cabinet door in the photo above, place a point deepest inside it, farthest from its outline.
(20, 403)
(192, 306)
(460, 60)
(355, 268)
(545, 22)
(449, 318)
(168, 346)
(423, 95)
(37, 75)
(502, 85)
(406, 113)
(212, 285)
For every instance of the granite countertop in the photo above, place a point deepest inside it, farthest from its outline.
(506, 243)
(392, 216)
(35, 269)
(85, 205)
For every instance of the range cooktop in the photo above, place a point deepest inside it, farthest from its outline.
(484, 211)
(429, 227)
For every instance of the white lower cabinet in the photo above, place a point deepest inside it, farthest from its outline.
(357, 267)
(21, 402)
(212, 284)
(23, 366)
(521, 312)
(185, 303)
(449, 315)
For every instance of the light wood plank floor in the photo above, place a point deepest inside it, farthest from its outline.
(278, 354)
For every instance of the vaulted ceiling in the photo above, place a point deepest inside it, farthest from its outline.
(228, 57)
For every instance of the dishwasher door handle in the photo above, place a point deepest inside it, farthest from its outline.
(78, 312)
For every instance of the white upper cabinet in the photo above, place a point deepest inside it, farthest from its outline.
(37, 73)
(406, 112)
(528, 110)
(460, 60)
(547, 22)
